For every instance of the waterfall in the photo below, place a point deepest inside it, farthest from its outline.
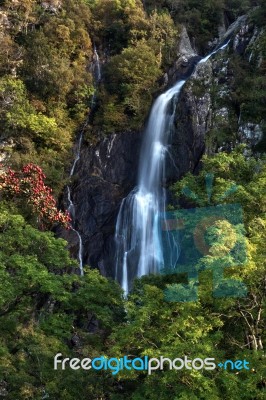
(97, 66)
(71, 206)
(96, 70)
(203, 60)
(138, 241)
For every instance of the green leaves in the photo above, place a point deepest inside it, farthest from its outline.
(42, 306)
(131, 79)
(46, 85)
(207, 326)
(19, 115)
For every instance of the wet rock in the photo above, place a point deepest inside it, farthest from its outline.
(250, 133)
(242, 38)
(75, 340)
(191, 124)
(105, 174)
(3, 389)
(6, 146)
(185, 60)
(185, 47)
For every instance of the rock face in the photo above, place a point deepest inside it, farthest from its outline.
(6, 146)
(226, 113)
(186, 59)
(4, 21)
(192, 120)
(107, 172)
(52, 6)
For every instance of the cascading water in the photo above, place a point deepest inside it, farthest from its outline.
(97, 66)
(138, 241)
(222, 47)
(96, 69)
(71, 207)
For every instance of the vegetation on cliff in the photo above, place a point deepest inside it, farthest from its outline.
(46, 89)
(46, 79)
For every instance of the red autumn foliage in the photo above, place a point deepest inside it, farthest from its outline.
(29, 184)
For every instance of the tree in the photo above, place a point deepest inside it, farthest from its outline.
(222, 328)
(117, 23)
(19, 116)
(44, 309)
(131, 78)
(238, 180)
(28, 185)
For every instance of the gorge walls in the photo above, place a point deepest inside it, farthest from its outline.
(105, 174)
(207, 119)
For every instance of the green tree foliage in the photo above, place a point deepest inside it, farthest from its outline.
(45, 306)
(145, 46)
(19, 117)
(46, 309)
(46, 87)
(223, 328)
(42, 306)
(247, 177)
(116, 23)
(163, 36)
(131, 76)
(202, 17)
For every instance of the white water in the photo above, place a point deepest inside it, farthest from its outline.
(138, 241)
(78, 150)
(203, 60)
(138, 238)
(71, 206)
(97, 69)
(71, 210)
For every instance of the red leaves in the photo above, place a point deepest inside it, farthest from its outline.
(29, 184)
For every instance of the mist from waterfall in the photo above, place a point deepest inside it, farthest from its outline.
(138, 239)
